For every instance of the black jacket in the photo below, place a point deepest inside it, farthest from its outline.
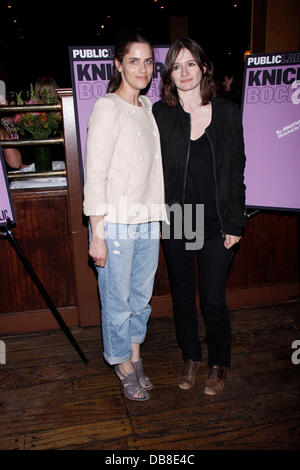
(225, 135)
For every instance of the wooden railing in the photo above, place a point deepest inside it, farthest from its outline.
(32, 142)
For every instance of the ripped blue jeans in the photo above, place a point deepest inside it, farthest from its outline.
(125, 286)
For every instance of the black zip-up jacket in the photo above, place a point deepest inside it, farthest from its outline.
(225, 135)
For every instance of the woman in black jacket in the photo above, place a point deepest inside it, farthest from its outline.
(203, 160)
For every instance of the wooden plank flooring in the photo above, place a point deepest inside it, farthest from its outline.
(50, 400)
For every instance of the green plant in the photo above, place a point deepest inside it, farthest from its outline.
(39, 125)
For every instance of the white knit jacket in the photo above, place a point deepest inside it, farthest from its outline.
(123, 166)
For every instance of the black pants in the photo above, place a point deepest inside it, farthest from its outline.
(214, 261)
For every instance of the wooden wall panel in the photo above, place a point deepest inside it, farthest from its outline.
(268, 254)
(265, 268)
(283, 25)
(275, 26)
(43, 233)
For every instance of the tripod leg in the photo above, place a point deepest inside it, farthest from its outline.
(45, 294)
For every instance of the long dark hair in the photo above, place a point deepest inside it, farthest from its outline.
(169, 92)
(123, 43)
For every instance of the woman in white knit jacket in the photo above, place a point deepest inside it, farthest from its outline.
(124, 199)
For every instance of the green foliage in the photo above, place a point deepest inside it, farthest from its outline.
(38, 125)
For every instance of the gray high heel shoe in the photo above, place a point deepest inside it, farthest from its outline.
(143, 379)
(131, 385)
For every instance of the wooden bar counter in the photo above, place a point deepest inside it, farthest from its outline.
(53, 234)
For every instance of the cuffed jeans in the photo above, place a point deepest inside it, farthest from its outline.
(125, 286)
(214, 261)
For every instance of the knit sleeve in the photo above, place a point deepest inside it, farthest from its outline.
(103, 131)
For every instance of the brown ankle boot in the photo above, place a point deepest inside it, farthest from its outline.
(216, 380)
(188, 374)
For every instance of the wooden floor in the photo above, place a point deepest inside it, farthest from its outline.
(50, 400)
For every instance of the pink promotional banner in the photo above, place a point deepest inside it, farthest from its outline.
(6, 207)
(271, 121)
(91, 69)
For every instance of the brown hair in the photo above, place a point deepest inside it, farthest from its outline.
(169, 92)
(44, 90)
(124, 41)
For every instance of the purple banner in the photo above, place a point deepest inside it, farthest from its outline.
(6, 207)
(91, 69)
(271, 120)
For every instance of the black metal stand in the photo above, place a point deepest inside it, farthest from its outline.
(9, 235)
(252, 213)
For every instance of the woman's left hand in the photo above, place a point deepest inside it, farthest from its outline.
(231, 240)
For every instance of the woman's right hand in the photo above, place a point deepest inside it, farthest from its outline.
(98, 251)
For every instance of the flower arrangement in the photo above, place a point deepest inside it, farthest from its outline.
(38, 125)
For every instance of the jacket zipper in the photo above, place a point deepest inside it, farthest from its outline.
(187, 162)
(217, 199)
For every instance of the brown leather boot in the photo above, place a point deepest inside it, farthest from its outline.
(188, 374)
(216, 380)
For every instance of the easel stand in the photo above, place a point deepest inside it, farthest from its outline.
(252, 213)
(9, 235)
